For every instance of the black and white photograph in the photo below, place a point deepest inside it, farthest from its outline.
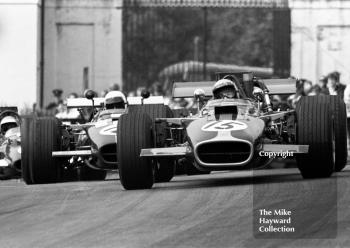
(174, 123)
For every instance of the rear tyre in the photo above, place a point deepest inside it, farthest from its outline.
(153, 110)
(315, 128)
(40, 136)
(340, 124)
(134, 133)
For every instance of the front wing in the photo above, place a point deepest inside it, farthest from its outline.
(184, 151)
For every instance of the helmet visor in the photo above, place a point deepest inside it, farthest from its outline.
(227, 92)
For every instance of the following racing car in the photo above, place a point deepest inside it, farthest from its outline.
(235, 129)
(10, 143)
(55, 150)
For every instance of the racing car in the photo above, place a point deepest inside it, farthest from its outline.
(10, 143)
(83, 148)
(233, 133)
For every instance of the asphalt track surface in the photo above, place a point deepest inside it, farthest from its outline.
(199, 211)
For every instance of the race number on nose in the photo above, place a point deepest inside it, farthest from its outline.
(224, 125)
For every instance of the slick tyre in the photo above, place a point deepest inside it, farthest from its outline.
(40, 136)
(340, 123)
(164, 168)
(315, 127)
(153, 110)
(134, 133)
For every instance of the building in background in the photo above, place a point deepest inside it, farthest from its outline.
(320, 38)
(67, 44)
(160, 33)
(82, 45)
(19, 53)
(78, 44)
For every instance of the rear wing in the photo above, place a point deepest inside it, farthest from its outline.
(280, 86)
(83, 102)
(186, 89)
(137, 100)
(275, 86)
(9, 108)
(98, 101)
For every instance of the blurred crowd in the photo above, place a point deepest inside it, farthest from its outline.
(329, 84)
(158, 89)
(59, 103)
(326, 85)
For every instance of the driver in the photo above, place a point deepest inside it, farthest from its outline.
(115, 100)
(225, 88)
(7, 123)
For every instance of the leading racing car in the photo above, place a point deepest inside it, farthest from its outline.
(235, 128)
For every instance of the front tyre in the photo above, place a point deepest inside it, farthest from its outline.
(134, 133)
(340, 138)
(164, 168)
(40, 137)
(315, 127)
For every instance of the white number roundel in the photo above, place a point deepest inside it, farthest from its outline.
(224, 125)
(109, 130)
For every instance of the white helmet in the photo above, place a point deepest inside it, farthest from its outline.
(7, 123)
(225, 88)
(115, 100)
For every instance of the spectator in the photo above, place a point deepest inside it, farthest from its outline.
(292, 99)
(347, 95)
(104, 93)
(131, 94)
(307, 87)
(322, 83)
(157, 89)
(57, 93)
(65, 113)
(51, 109)
(72, 95)
(178, 103)
(334, 85)
(315, 90)
(114, 87)
(54, 107)
(139, 91)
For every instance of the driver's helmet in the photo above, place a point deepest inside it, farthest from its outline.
(224, 88)
(7, 123)
(115, 100)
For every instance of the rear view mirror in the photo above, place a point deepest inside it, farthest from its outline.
(199, 94)
(90, 94)
(145, 94)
